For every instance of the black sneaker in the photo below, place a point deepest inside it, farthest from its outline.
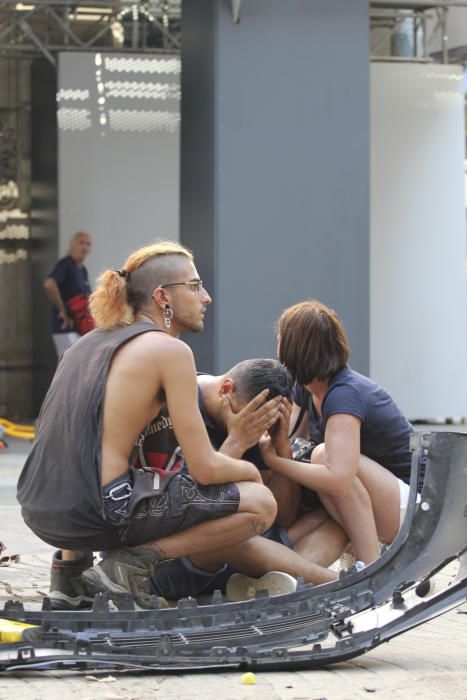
(426, 588)
(180, 578)
(66, 590)
(125, 570)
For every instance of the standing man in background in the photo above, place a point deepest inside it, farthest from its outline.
(67, 287)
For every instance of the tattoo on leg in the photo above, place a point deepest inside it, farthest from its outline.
(154, 547)
(258, 528)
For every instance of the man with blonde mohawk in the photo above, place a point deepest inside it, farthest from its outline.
(78, 490)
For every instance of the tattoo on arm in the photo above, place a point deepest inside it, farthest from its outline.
(258, 528)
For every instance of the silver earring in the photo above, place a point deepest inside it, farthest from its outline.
(167, 316)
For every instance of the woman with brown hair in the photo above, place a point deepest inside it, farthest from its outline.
(361, 466)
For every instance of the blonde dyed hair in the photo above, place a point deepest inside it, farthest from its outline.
(121, 294)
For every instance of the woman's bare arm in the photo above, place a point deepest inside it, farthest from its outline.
(336, 473)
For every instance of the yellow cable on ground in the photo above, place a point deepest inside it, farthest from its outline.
(25, 432)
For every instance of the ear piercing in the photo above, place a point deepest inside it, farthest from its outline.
(167, 315)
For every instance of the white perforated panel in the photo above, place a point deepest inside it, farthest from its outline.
(74, 119)
(169, 66)
(72, 95)
(14, 257)
(146, 91)
(141, 120)
(119, 124)
(113, 104)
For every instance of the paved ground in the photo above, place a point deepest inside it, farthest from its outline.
(429, 662)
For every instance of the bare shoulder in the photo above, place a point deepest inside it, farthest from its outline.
(145, 348)
(142, 367)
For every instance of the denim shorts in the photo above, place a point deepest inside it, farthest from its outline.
(144, 511)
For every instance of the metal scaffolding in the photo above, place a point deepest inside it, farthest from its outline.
(44, 27)
(404, 30)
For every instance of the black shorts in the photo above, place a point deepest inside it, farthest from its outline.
(310, 499)
(177, 504)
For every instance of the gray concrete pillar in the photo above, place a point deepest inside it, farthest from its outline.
(274, 167)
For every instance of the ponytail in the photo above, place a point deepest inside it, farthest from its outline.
(109, 303)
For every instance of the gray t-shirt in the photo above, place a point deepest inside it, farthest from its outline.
(60, 486)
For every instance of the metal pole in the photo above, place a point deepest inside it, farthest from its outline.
(165, 32)
(425, 38)
(134, 26)
(415, 38)
(444, 36)
(24, 26)
(103, 30)
(66, 28)
(16, 23)
(412, 4)
(235, 9)
(390, 33)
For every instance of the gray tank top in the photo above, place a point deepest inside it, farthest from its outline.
(60, 485)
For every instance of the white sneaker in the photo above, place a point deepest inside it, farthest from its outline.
(346, 561)
(242, 587)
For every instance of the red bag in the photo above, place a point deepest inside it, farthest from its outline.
(78, 309)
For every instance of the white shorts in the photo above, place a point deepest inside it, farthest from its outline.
(63, 341)
(404, 490)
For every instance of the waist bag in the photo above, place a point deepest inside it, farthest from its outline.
(78, 309)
